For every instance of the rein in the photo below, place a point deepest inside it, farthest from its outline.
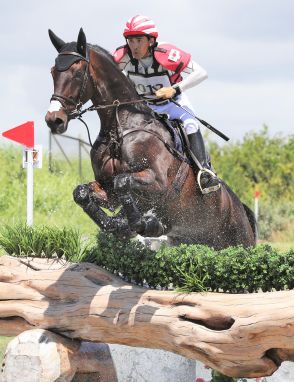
(120, 133)
(117, 137)
(77, 114)
(115, 103)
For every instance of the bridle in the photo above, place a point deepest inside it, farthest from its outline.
(77, 113)
(66, 100)
(116, 138)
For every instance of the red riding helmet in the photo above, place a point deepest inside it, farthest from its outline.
(140, 25)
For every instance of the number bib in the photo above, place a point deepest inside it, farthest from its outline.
(147, 84)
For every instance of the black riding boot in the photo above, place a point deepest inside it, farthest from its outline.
(207, 180)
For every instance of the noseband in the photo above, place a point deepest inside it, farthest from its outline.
(66, 100)
(77, 112)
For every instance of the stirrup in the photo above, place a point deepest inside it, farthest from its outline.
(208, 189)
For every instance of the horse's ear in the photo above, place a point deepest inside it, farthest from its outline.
(82, 43)
(56, 41)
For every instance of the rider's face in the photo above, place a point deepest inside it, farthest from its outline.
(139, 46)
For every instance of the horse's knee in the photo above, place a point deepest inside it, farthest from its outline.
(81, 194)
(122, 183)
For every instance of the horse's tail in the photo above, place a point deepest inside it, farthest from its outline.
(252, 220)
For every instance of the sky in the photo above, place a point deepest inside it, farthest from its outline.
(246, 46)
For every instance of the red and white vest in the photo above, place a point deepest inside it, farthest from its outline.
(152, 73)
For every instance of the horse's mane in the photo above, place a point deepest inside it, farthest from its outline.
(141, 108)
(98, 49)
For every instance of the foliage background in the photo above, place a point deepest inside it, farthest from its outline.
(258, 162)
(264, 163)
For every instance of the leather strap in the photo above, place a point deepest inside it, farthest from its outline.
(173, 151)
(179, 179)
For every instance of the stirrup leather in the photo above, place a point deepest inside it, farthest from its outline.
(209, 189)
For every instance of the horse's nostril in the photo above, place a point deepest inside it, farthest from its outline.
(58, 122)
(56, 125)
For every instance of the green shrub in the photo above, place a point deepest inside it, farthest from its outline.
(189, 268)
(22, 240)
(195, 268)
(3, 344)
(218, 377)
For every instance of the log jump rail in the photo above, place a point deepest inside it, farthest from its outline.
(247, 335)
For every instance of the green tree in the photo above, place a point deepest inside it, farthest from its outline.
(258, 162)
(265, 163)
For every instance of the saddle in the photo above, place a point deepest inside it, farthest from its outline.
(179, 137)
(177, 132)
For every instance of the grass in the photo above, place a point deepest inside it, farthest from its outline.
(281, 246)
(286, 235)
(53, 202)
(3, 343)
(283, 240)
(44, 241)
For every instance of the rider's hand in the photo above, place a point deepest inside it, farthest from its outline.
(165, 93)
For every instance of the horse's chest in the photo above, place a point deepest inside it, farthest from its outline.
(112, 167)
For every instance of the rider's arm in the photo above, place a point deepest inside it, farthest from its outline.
(196, 74)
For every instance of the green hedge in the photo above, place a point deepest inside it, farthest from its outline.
(190, 268)
(197, 267)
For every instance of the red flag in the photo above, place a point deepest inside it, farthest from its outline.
(23, 134)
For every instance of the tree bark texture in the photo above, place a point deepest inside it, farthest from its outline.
(246, 335)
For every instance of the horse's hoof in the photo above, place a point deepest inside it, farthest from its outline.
(153, 227)
(81, 195)
(139, 226)
(120, 228)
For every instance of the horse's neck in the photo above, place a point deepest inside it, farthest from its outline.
(110, 85)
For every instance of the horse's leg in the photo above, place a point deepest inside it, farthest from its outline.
(91, 197)
(123, 185)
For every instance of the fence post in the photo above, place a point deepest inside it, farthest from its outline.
(80, 160)
(50, 152)
(81, 144)
(256, 205)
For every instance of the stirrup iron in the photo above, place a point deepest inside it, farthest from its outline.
(209, 189)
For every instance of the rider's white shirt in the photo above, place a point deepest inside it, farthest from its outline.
(147, 79)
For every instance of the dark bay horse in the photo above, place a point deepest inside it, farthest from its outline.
(133, 159)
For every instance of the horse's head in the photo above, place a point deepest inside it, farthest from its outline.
(71, 86)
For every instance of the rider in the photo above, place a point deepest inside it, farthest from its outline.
(156, 71)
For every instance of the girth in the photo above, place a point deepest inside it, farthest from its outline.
(172, 150)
